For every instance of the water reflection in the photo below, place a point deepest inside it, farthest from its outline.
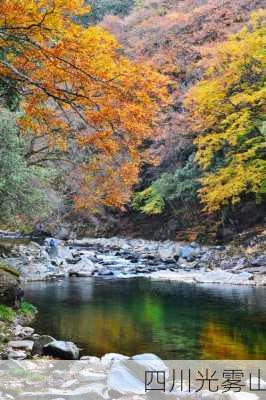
(169, 319)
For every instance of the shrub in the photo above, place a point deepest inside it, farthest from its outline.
(6, 313)
(179, 188)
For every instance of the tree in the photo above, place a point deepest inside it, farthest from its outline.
(75, 85)
(175, 36)
(100, 8)
(23, 189)
(178, 189)
(228, 112)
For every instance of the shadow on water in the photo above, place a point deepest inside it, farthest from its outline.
(173, 320)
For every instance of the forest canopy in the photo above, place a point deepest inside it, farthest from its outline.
(229, 115)
(73, 85)
(147, 107)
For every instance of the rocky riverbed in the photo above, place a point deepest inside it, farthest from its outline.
(115, 376)
(240, 264)
(109, 376)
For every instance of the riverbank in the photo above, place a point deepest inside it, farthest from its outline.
(239, 263)
(242, 262)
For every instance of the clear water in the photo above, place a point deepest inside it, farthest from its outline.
(174, 321)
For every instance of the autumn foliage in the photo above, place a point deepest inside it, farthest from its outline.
(213, 57)
(176, 82)
(228, 112)
(76, 86)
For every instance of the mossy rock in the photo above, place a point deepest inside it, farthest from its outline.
(10, 289)
(5, 247)
(4, 266)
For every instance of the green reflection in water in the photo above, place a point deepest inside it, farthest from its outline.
(172, 320)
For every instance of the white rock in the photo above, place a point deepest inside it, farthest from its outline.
(90, 359)
(218, 276)
(120, 379)
(108, 359)
(26, 345)
(169, 252)
(70, 383)
(88, 376)
(22, 331)
(94, 390)
(16, 355)
(150, 362)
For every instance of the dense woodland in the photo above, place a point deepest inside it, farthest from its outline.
(142, 117)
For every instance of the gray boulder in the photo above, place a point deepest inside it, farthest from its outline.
(232, 262)
(22, 331)
(121, 381)
(259, 261)
(148, 362)
(16, 355)
(189, 252)
(62, 350)
(10, 289)
(39, 344)
(105, 272)
(128, 376)
(170, 252)
(110, 358)
(25, 345)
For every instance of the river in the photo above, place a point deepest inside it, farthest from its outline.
(172, 320)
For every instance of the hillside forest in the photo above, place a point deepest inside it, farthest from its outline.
(143, 118)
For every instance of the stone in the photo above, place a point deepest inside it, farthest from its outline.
(90, 359)
(88, 392)
(27, 331)
(68, 384)
(16, 355)
(26, 345)
(88, 376)
(84, 268)
(62, 350)
(34, 247)
(121, 381)
(148, 362)
(127, 376)
(105, 272)
(189, 252)
(10, 289)
(200, 276)
(241, 263)
(17, 365)
(39, 344)
(169, 252)
(22, 331)
(81, 274)
(258, 270)
(108, 359)
(183, 263)
(230, 263)
(259, 261)
(94, 363)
